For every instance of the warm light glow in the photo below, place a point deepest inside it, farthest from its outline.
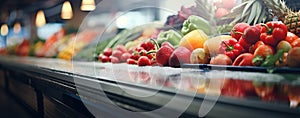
(17, 27)
(40, 18)
(87, 5)
(4, 29)
(66, 12)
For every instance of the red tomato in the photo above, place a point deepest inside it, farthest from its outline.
(221, 59)
(264, 51)
(296, 43)
(244, 60)
(291, 37)
(254, 47)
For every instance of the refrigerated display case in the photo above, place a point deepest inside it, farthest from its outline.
(70, 78)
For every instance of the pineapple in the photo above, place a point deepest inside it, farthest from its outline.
(292, 22)
(289, 17)
(258, 11)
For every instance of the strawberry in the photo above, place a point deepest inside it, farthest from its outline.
(105, 59)
(121, 48)
(163, 55)
(124, 57)
(144, 61)
(107, 52)
(139, 49)
(100, 57)
(131, 61)
(143, 53)
(135, 56)
(166, 43)
(150, 56)
(117, 53)
(114, 59)
(148, 45)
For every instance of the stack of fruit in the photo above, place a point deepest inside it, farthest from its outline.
(141, 55)
(170, 48)
(266, 45)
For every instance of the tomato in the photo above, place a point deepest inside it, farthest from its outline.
(283, 45)
(244, 60)
(251, 34)
(293, 57)
(291, 37)
(255, 46)
(232, 88)
(266, 91)
(296, 43)
(221, 59)
(282, 62)
(264, 51)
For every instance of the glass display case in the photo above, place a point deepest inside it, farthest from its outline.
(161, 58)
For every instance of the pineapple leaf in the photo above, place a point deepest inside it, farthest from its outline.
(258, 13)
(235, 11)
(245, 18)
(247, 7)
(253, 12)
(240, 5)
(262, 16)
(237, 19)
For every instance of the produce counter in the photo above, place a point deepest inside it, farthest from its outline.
(58, 88)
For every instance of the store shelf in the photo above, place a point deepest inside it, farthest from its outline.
(78, 87)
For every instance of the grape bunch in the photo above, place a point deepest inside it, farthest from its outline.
(176, 21)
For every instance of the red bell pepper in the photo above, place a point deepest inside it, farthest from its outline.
(231, 48)
(273, 32)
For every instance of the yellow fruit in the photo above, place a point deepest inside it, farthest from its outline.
(212, 45)
(193, 40)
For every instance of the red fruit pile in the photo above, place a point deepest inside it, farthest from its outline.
(142, 55)
(120, 54)
(258, 45)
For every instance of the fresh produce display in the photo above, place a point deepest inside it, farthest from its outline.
(264, 44)
(75, 44)
(23, 49)
(253, 38)
(49, 43)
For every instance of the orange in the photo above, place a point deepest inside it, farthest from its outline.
(193, 40)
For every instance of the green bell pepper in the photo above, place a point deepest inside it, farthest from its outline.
(195, 22)
(171, 36)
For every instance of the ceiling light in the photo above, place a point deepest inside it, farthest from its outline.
(88, 5)
(66, 12)
(4, 29)
(17, 27)
(40, 18)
